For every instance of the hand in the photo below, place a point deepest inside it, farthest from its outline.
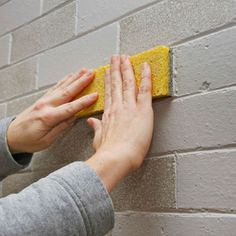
(38, 126)
(123, 136)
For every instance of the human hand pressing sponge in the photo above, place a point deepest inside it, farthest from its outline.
(123, 136)
(37, 127)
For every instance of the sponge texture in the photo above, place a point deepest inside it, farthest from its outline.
(159, 60)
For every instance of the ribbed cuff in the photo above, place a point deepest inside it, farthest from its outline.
(10, 163)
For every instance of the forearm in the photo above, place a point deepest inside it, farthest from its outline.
(70, 201)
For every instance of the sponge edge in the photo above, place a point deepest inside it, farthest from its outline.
(159, 60)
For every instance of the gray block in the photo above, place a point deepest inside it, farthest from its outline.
(174, 224)
(207, 180)
(206, 63)
(17, 182)
(93, 14)
(18, 105)
(90, 51)
(172, 21)
(50, 4)
(150, 188)
(2, 110)
(18, 79)
(16, 13)
(44, 33)
(5, 43)
(206, 120)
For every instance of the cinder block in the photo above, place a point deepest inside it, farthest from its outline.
(150, 188)
(18, 79)
(18, 105)
(16, 13)
(5, 43)
(2, 111)
(205, 120)
(206, 63)
(174, 224)
(16, 182)
(74, 144)
(92, 14)
(44, 33)
(207, 180)
(50, 4)
(172, 21)
(91, 51)
(159, 60)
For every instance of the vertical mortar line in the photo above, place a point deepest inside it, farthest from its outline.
(10, 49)
(37, 72)
(176, 176)
(118, 38)
(173, 73)
(41, 7)
(76, 17)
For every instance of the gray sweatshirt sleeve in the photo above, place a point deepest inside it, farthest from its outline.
(70, 201)
(10, 163)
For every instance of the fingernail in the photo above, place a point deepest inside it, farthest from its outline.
(145, 65)
(94, 94)
(90, 73)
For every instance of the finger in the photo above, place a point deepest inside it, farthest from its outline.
(145, 90)
(59, 83)
(68, 79)
(129, 83)
(107, 84)
(68, 110)
(73, 78)
(66, 94)
(116, 80)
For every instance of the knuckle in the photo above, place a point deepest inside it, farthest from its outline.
(107, 114)
(66, 93)
(144, 89)
(39, 105)
(69, 109)
(45, 116)
(128, 84)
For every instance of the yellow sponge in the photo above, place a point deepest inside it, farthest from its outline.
(159, 60)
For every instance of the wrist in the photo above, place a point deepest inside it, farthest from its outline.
(111, 167)
(12, 144)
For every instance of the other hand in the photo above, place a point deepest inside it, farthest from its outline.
(37, 127)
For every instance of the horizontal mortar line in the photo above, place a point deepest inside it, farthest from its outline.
(4, 3)
(190, 211)
(24, 95)
(36, 18)
(222, 148)
(33, 92)
(38, 170)
(205, 92)
(45, 88)
(116, 20)
(203, 34)
(76, 36)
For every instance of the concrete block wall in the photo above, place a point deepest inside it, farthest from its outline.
(187, 183)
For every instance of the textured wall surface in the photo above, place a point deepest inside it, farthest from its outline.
(187, 183)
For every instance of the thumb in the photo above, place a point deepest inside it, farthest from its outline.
(97, 127)
(94, 123)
